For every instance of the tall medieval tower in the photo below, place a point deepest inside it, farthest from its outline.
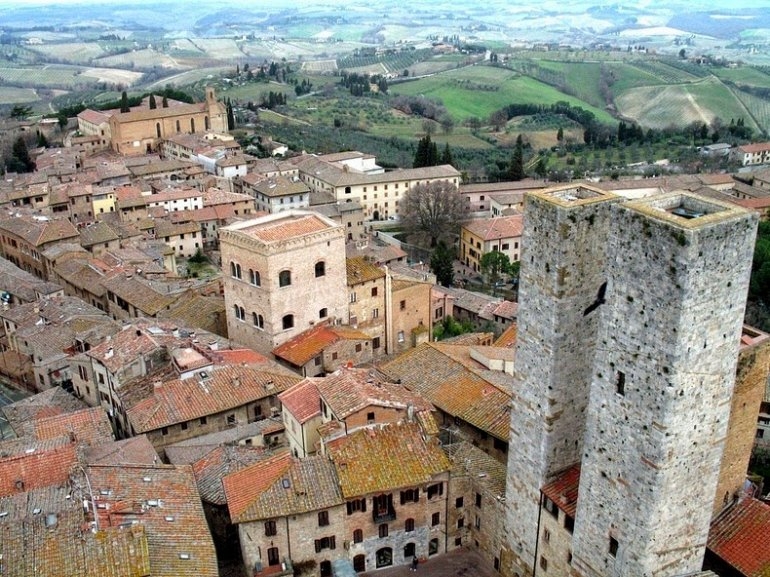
(562, 286)
(677, 270)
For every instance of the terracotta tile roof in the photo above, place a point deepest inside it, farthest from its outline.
(310, 343)
(385, 458)
(133, 451)
(23, 414)
(347, 391)
(468, 392)
(225, 388)
(302, 400)
(740, 536)
(94, 116)
(238, 434)
(138, 294)
(31, 547)
(215, 464)
(38, 233)
(564, 490)
(88, 426)
(246, 486)
(508, 338)
(755, 147)
(293, 225)
(239, 357)
(97, 233)
(276, 186)
(360, 270)
(282, 486)
(164, 499)
(507, 309)
(497, 228)
(469, 460)
(123, 348)
(29, 464)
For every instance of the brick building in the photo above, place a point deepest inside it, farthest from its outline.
(138, 132)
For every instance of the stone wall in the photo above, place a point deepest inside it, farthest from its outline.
(560, 290)
(662, 381)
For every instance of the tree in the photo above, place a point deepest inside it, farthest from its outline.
(446, 156)
(20, 160)
(447, 124)
(493, 264)
(124, 107)
(434, 209)
(682, 54)
(20, 112)
(165, 102)
(560, 135)
(230, 115)
(426, 154)
(498, 119)
(516, 167)
(153, 104)
(442, 264)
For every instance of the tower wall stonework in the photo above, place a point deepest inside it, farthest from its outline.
(562, 273)
(663, 378)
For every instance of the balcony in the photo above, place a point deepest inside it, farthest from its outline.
(384, 515)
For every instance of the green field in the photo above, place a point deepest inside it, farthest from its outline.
(758, 107)
(679, 105)
(13, 95)
(511, 88)
(743, 75)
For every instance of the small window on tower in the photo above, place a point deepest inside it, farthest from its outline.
(620, 383)
(613, 546)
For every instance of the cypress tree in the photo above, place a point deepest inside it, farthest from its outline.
(124, 107)
(446, 157)
(516, 168)
(153, 104)
(230, 116)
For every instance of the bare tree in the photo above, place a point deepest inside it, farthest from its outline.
(433, 209)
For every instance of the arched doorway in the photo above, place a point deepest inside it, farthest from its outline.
(384, 557)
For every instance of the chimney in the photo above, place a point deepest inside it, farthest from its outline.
(236, 381)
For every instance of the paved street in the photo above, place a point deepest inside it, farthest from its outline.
(458, 563)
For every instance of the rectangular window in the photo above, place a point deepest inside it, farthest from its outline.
(569, 523)
(323, 518)
(543, 563)
(458, 502)
(551, 507)
(203, 420)
(546, 536)
(356, 506)
(613, 546)
(460, 523)
(184, 426)
(358, 348)
(410, 496)
(478, 500)
(376, 343)
(402, 305)
(270, 528)
(374, 292)
(435, 519)
(325, 543)
(164, 431)
(435, 490)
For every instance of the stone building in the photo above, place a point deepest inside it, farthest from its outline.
(501, 233)
(138, 132)
(282, 273)
(651, 363)
(366, 286)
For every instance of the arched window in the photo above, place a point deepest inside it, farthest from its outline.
(232, 269)
(320, 269)
(157, 129)
(409, 551)
(384, 557)
(237, 270)
(358, 536)
(192, 125)
(288, 321)
(409, 525)
(284, 278)
(432, 546)
(323, 313)
(240, 314)
(254, 277)
(258, 320)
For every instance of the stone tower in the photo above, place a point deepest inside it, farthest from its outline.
(677, 272)
(561, 289)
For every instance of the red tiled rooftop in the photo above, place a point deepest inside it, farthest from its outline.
(286, 228)
(564, 490)
(302, 400)
(740, 536)
(243, 487)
